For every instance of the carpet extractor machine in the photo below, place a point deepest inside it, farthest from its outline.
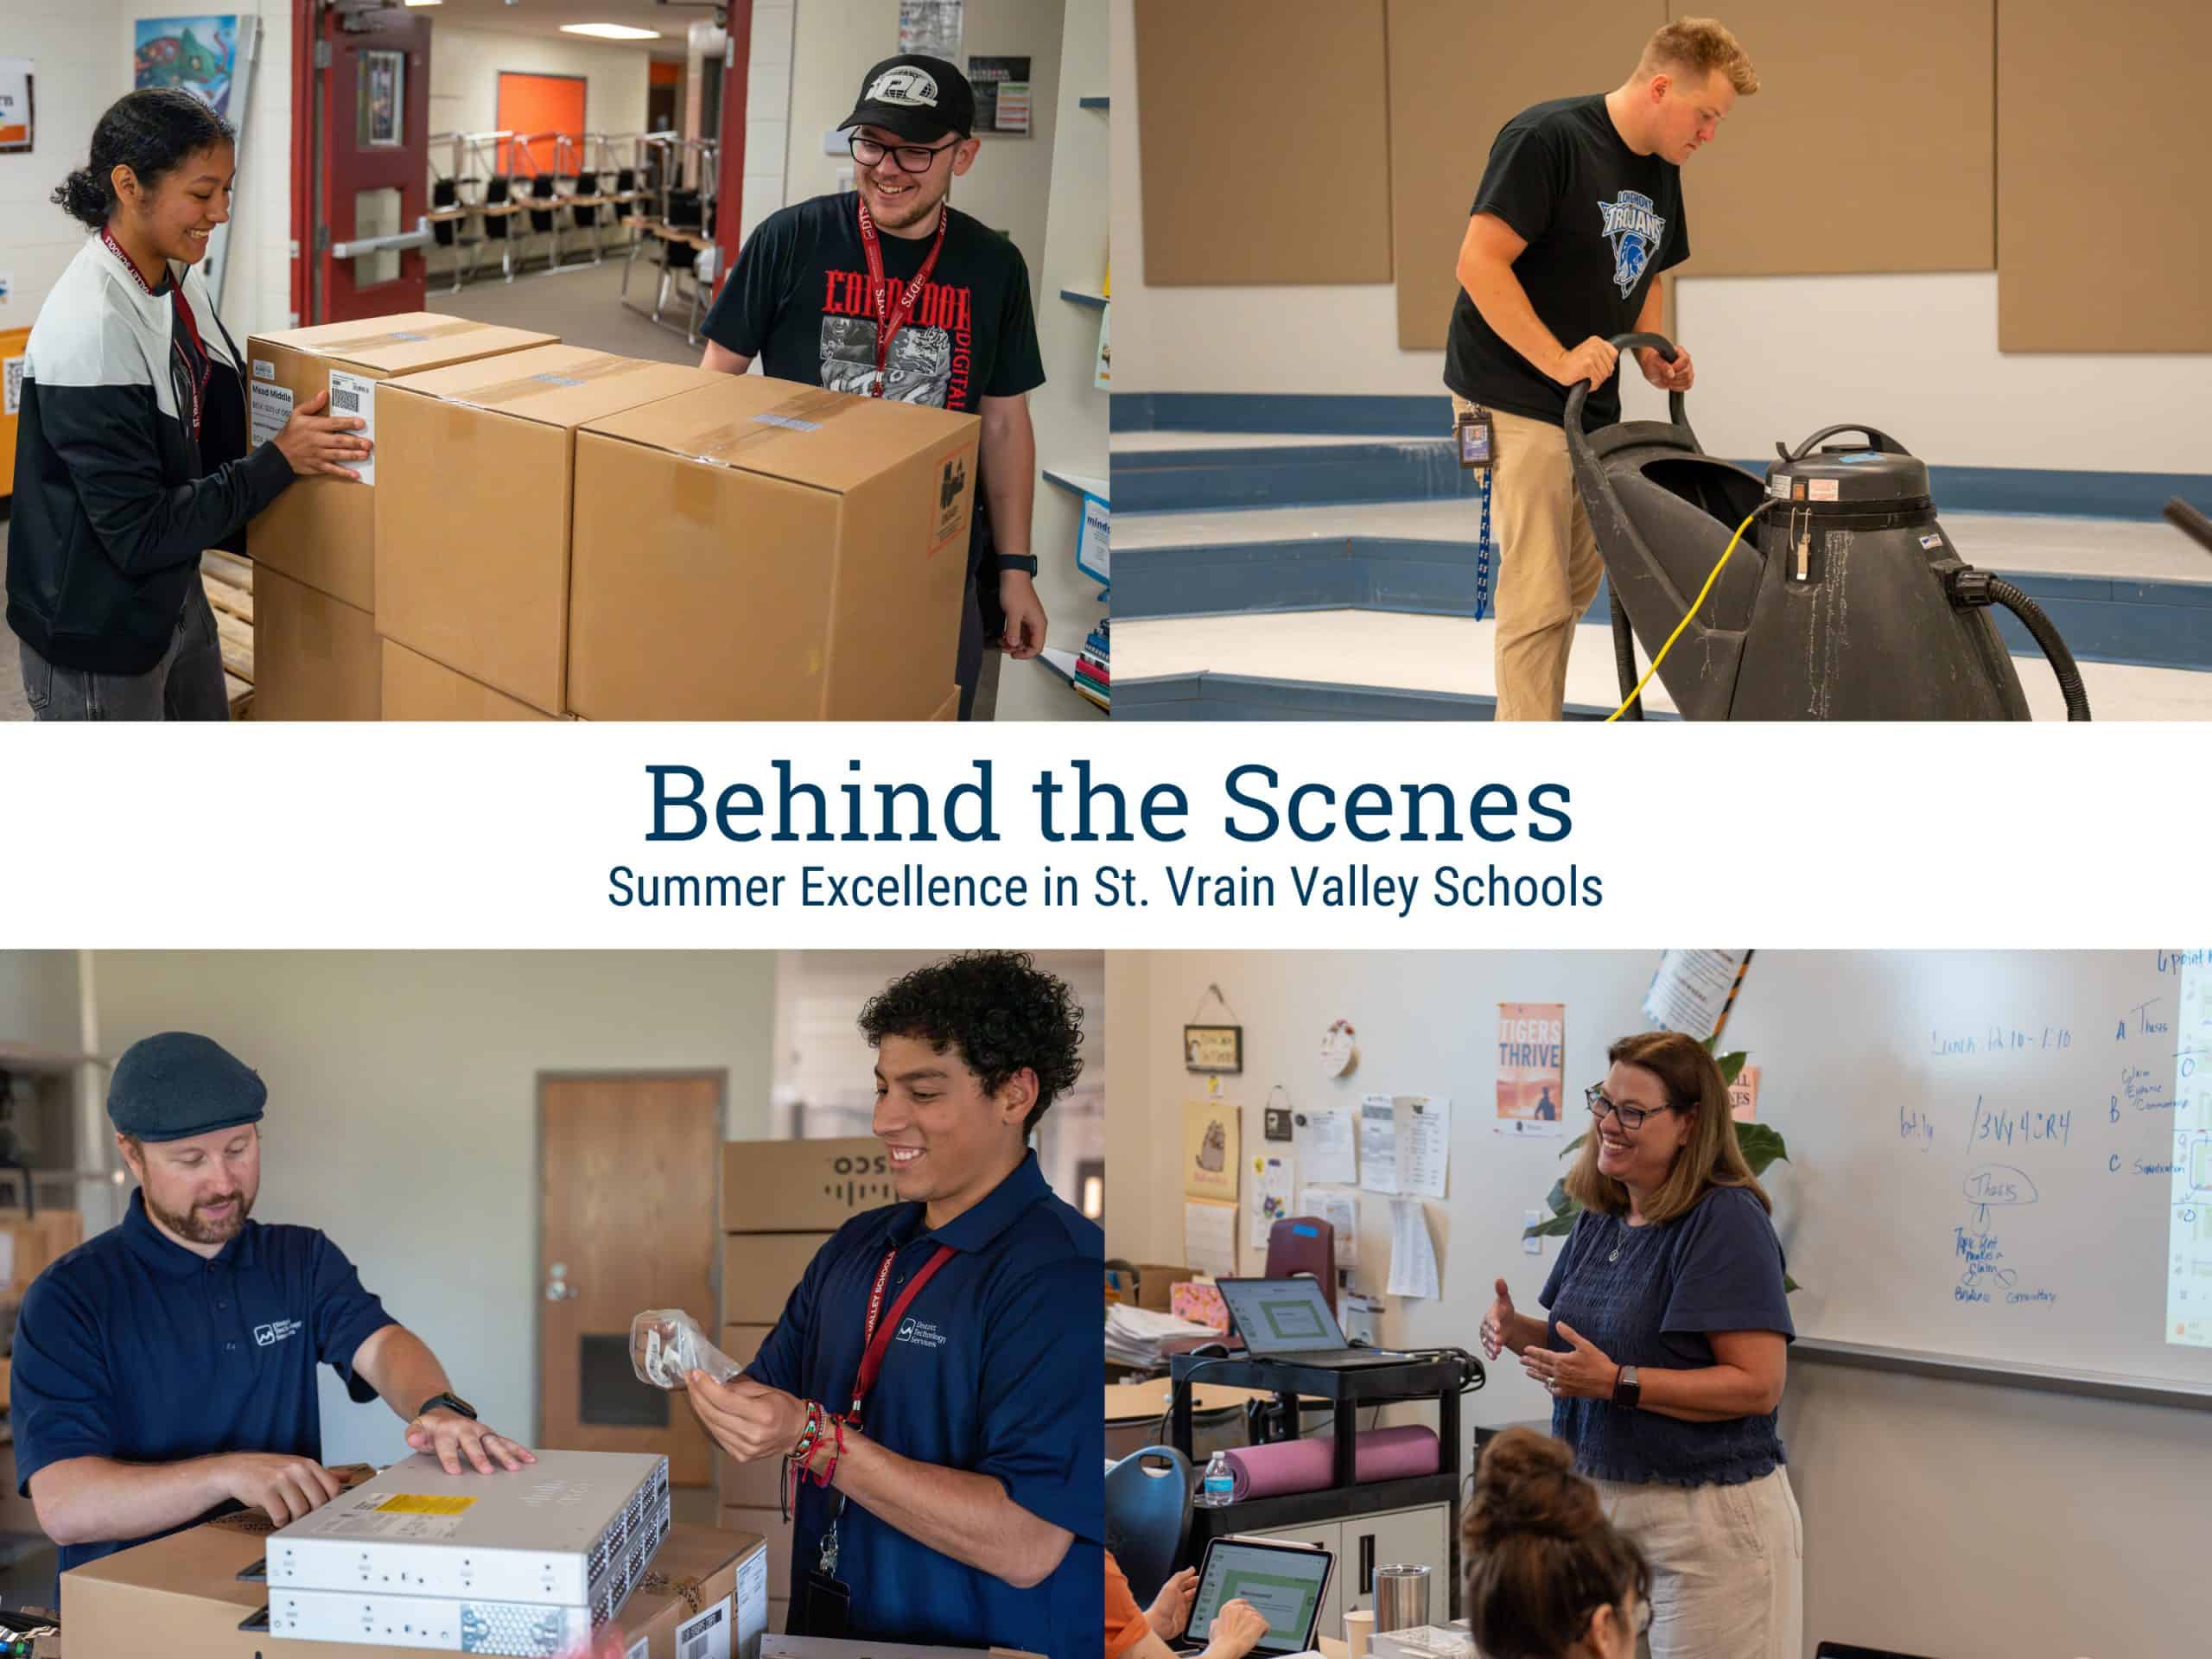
(1825, 591)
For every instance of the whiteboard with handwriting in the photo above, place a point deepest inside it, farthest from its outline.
(1996, 1156)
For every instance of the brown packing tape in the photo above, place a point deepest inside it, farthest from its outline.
(601, 366)
(696, 494)
(390, 337)
(721, 445)
(659, 1583)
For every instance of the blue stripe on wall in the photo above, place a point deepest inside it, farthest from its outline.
(1189, 480)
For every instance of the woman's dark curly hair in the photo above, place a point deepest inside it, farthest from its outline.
(998, 1009)
(150, 131)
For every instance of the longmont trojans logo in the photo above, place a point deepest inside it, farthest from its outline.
(915, 88)
(1636, 233)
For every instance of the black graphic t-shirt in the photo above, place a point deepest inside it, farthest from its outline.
(1600, 222)
(798, 299)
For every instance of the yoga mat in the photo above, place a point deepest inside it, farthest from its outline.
(1307, 1466)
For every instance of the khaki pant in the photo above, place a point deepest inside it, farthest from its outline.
(1548, 564)
(1727, 1566)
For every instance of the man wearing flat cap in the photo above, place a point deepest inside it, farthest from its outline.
(166, 1369)
(889, 291)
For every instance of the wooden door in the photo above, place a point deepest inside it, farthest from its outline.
(626, 1221)
(373, 67)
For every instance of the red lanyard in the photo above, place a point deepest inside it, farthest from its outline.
(889, 320)
(201, 371)
(879, 1337)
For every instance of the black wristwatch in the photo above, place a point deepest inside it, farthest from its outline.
(450, 1401)
(1628, 1387)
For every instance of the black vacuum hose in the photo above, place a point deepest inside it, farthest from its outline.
(2062, 660)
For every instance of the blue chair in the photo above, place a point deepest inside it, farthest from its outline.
(1148, 1518)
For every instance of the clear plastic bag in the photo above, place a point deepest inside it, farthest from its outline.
(667, 1346)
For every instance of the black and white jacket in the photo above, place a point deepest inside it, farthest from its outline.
(115, 498)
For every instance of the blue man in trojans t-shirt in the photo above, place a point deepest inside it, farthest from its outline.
(954, 327)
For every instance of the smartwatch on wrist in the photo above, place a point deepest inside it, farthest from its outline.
(1629, 1387)
(450, 1401)
(1025, 562)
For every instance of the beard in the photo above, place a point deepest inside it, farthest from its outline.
(910, 210)
(196, 1228)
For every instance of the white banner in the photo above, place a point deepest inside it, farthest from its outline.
(1372, 837)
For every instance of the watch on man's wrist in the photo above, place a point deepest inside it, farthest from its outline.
(1628, 1387)
(1022, 564)
(451, 1403)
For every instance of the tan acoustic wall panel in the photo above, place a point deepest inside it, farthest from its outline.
(1869, 147)
(1264, 145)
(2104, 129)
(1456, 77)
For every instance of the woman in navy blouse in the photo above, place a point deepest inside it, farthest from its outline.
(1664, 1354)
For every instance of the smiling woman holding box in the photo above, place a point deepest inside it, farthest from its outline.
(1664, 1354)
(132, 455)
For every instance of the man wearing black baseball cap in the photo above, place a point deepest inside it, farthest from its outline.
(166, 1369)
(889, 291)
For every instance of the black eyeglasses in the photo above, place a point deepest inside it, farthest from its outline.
(1631, 1117)
(911, 158)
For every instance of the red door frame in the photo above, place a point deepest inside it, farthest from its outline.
(730, 182)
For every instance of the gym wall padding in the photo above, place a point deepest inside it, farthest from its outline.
(1265, 152)
(1870, 147)
(2103, 129)
(1457, 74)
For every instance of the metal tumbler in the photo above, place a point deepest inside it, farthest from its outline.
(1400, 1598)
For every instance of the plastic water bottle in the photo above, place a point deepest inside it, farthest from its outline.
(1219, 1489)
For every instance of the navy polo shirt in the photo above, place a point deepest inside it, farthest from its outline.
(994, 1369)
(1653, 1296)
(132, 1347)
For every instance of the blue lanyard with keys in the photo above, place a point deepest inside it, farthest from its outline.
(1473, 431)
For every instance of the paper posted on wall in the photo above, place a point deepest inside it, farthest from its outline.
(1379, 1144)
(1326, 1149)
(1210, 1239)
(1274, 1179)
(1341, 1211)
(1531, 1069)
(1425, 1149)
(1693, 990)
(1413, 1253)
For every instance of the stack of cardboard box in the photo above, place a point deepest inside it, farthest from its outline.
(551, 531)
(315, 639)
(781, 1201)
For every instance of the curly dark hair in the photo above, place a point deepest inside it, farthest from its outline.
(1001, 1012)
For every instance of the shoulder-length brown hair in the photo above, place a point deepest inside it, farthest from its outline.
(1710, 1158)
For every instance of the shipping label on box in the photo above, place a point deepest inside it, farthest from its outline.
(354, 396)
(707, 1635)
(272, 405)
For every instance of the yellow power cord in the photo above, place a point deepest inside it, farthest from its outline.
(1696, 605)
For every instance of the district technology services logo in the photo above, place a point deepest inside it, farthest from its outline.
(921, 1333)
(268, 1336)
(1636, 233)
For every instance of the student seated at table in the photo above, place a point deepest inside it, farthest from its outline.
(1144, 1632)
(1547, 1575)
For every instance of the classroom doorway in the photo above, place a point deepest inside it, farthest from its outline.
(626, 1221)
(363, 110)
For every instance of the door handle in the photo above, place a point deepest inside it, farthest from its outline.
(1366, 1563)
(558, 1289)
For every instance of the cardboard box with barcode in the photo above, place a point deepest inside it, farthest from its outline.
(415, 688)
(705, 1597)
(315, 656)
(757, 550)
(322, 530)
(473, 525)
